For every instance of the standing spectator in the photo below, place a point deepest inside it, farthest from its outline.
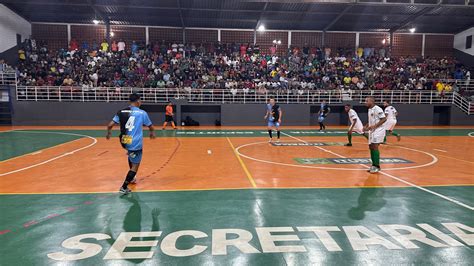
(121, 46)
(73, 45)
(104, 46)
(114, 47)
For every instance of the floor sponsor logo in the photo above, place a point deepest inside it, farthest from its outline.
(349, 160)
(218, 242)
(290, 144)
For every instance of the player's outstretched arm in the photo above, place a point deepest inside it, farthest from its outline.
(152, 132)
(109, 129)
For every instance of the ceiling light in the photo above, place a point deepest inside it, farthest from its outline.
(261, 28)
(112, 34)
(95, 21)
(412, 30)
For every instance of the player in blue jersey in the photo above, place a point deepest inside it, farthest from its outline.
(273, 115)
(131, 120)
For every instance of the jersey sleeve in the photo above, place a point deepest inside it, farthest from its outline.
(116, 119)
(146, 120)
(380, 113)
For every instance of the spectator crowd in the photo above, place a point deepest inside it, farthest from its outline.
(231, 66)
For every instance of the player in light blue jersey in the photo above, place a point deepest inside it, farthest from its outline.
(131, 121)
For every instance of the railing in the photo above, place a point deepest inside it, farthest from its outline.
(8, 78)
(404, 96)
(153, 95)
(463, 103)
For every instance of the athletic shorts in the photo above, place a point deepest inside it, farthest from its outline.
(390, 125)
(321, 119)
(169, 118)
(273, 124)
(377, 136)
(135, 156)
(358, 128)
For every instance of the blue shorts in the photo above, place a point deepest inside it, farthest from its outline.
(273, 124)
(135, 156)
(321, 119)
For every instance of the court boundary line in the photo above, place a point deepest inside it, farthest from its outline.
(471, 134)
(242, 164)
(54, 158)
(396, 178)
(435, 160)
(40, 150)
(222, 189)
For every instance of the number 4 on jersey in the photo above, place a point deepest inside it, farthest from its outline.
(130, 125)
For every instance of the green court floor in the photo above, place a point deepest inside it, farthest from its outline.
(38, 224)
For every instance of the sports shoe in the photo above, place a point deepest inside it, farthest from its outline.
(270, 140)
(134, 181)
(348, 144)
(374, 170)
(125, 191)
(370, 169)
(278, 140)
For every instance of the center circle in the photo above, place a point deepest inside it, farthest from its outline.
(433, 161)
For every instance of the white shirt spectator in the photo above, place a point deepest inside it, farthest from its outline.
(121, 46)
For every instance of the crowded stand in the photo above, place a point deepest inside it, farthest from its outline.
(233, 67)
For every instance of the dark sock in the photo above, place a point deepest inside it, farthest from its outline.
(376, 160)
(129, 164)
(349, 137)
(324, 127)
(372, 156)
(278, 134)
(130, 175)
(270, 133)
(320, 126)
(385, 139)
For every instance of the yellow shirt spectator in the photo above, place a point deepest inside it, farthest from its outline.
(347, 80)
(440, 87)
(448, 88)
(104, 46)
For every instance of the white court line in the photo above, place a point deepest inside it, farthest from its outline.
(54, 158)
(439, 150)
(37, 152)
(396, 178)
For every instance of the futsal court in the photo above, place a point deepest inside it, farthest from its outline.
(225, 196)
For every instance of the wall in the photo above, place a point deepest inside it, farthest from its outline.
(10, 25)
(436, 45)
(76, 113)
(460, 41)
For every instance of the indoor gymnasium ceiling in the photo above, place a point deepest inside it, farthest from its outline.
(446, 16)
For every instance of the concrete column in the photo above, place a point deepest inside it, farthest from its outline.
(147, 35)
(289, 39)
(423, 46)
(219, 35)
(68, 33)
(357, 40)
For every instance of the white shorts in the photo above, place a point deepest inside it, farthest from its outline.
(358, 128)
(377, 136)
(390, 124)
